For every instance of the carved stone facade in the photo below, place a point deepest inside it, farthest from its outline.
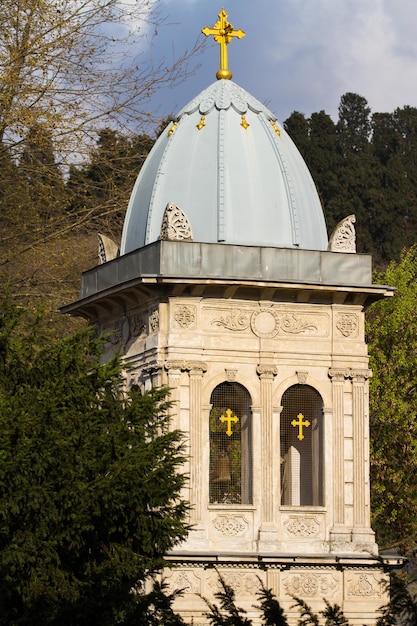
(279, 344)
(268, 347)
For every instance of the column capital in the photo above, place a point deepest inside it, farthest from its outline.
(186, 366)
(339, 375)
(360, 375)
(267, 371)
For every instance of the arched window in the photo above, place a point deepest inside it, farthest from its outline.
(230, 445)
(301, 431)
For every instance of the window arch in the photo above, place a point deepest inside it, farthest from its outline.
(301, 433)
(230, 445)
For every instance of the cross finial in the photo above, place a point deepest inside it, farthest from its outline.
(300, 425)
(223, 33)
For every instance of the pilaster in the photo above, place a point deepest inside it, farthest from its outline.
(269, 458)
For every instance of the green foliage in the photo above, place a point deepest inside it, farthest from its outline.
(392, 337)
(90, 488)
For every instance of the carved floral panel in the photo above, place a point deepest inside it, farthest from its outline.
(311, 584)
(268, 322)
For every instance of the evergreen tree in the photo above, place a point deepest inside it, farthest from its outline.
(272, 612)
(228, 614)
(90, 487)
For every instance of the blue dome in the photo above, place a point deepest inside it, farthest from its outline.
(234, 172)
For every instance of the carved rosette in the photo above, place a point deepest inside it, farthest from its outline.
(185, 316)
(230, 525)
(265, 323)
(175, 224)
(311, 584)
(347, 324)
(302, 526)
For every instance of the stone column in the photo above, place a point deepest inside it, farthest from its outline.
(174, 369)
(196, 370)
(360, 451)
(269, 451)
(152, 375)
(338, 382)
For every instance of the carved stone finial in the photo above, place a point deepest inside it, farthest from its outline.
(107, 249)
(343, 238)
(175, 224)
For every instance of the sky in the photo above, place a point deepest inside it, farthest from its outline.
(298, 55)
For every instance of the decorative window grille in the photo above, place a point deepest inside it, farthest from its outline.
(301, 432)
(230, 445)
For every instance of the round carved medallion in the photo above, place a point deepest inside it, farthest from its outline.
(265, 323)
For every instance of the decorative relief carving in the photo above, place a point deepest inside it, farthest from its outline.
(230, 375)
(302, 526)
(265, 323)
(187, 581)
(154, 320)
(347, 324)
(311, 584)
(363, 585)
(121, 332)
(233, 320)
(241, 583)
(185, 316)
(230, 525)
(302, 377)
(296, 325)
(175, 224)
(343, 238)
(127, 328)
(137, 326)
(116, 336)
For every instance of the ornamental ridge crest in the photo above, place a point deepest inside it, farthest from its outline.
(175, 224)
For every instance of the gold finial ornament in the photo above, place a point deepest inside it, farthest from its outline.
(223, 33)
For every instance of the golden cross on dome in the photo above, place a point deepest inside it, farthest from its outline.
(300, 425)
(229, 418)
(223, 33)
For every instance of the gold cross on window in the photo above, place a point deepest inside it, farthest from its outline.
(223, 33)
(300, 425)
(229, 418)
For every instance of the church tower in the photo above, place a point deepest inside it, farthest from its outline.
(228, 291)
